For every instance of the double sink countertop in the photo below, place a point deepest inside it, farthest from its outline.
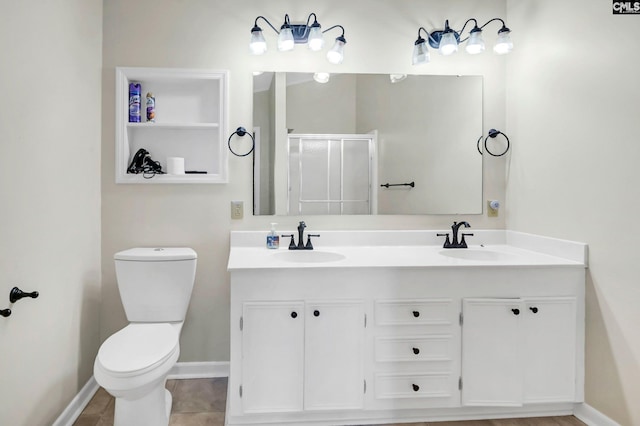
(405, 249)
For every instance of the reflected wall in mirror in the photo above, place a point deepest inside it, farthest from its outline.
(420, 129)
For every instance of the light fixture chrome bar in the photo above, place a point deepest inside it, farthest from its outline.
(447, 40)
(289, 34)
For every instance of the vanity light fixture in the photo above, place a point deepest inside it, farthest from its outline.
(321, 77)
(447, 41)
(396, 78)
(291, 34)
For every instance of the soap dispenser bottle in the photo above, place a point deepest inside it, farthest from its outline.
(273, 239)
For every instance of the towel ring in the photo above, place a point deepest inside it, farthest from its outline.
(493, 133)
(241, 131)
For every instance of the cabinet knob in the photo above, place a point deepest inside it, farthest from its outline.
(294, 314)
(416, 351)
(416, 314)
(516, 311)
(533, 309)
(316, 313)
(415, 387)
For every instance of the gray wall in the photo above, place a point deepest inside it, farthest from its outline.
(573, 114)
(50, 108)
(215, 34)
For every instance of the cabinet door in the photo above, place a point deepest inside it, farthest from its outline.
(549, 352)
(491, 365)
(334, 377)
(272, 356)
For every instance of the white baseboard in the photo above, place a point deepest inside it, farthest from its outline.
(591, 416)
(182, 370)
(77, 404)
(199, 370)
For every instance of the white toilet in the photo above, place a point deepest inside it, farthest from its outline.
(132, 365)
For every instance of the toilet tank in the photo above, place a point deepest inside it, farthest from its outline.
(155, 283)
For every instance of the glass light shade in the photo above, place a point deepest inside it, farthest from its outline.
(285, 39)
(396, 78)
(321, 77)
(315, 40)
(448, 44)
(257, 45)
(420, 52)
(336, 54)
(503, 44)
(475, 44)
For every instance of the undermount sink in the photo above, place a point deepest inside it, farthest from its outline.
(308, 256)
(479, 254)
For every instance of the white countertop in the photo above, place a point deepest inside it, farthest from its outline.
(416, 249)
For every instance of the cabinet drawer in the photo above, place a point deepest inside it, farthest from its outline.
(415, 312)
(434, 385)
(418, 348)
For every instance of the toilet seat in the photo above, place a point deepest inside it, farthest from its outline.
(138, 348)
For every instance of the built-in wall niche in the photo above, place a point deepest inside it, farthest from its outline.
(191, 108)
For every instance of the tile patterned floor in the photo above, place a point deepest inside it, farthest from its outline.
(201, 402)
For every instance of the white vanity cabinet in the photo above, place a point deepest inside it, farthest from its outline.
(404, 334)
(518, 351)
(191, 108)
(302, 355)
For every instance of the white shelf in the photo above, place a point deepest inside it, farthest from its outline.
(185, 126)
(191, 122)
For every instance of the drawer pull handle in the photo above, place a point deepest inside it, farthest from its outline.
(415, 387)
(416, 351)
(294, 314)
(534, 309)
(416, 314)
(316, 313)
(516, 311)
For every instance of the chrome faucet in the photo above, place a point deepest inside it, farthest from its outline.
(301, 245)
(454, 242)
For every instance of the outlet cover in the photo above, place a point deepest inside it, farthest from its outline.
(491, 212)
(237, 209)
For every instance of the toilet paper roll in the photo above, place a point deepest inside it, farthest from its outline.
(175, 165)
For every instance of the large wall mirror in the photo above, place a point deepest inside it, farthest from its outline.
(367, 144)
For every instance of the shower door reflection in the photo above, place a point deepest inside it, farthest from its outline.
(331, 174)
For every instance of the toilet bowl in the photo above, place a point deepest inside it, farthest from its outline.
(133, 364)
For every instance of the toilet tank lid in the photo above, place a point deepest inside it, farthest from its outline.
(156, 254)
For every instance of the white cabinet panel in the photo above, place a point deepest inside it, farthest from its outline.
(424, 385)
(414, 312)
(549, 351)
(418, 348)
(334, 377)
(272, 356)
(491, 366)
(510, 359)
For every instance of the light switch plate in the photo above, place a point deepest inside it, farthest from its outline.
(237, 209)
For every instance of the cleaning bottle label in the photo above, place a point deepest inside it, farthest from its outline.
(134, 102)
(151, 107)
